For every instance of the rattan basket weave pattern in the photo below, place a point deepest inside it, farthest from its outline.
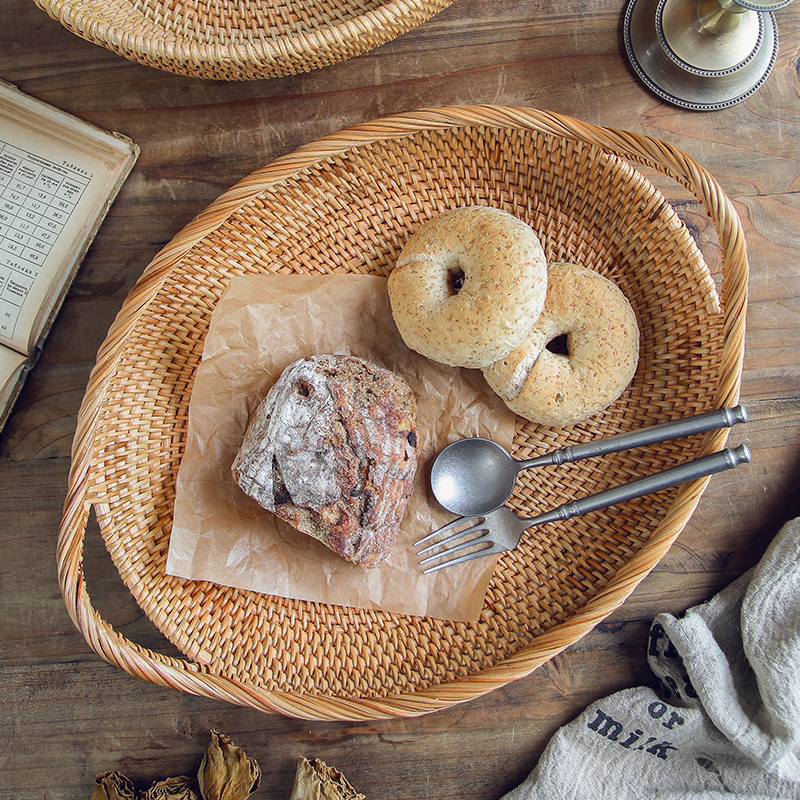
(347, 202)
(240, 39)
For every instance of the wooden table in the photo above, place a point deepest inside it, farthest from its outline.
(67, 715)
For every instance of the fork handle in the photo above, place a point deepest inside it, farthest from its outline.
(699, 423)
(692, 470)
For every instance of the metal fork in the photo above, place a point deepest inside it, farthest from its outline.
(502, 529)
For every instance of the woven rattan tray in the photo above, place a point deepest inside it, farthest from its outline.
(240, 39)
(346, 203)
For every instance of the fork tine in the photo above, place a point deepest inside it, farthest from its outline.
(456, 547)
(484, 551)
(453, 537)
(454, 524)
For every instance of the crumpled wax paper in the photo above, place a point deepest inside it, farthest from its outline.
(261, 325)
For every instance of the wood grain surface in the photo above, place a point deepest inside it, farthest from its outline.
(65, 714)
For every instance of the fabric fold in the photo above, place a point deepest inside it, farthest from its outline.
(725, 720)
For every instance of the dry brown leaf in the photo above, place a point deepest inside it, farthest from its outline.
(315, 780)
(113, 786)
(182, 787)
(226, 773)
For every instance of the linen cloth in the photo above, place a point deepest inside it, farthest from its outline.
(725, 721)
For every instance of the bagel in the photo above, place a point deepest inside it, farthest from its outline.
(593, 320)
(468, 286)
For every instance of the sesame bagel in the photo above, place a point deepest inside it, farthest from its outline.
(468, 286)
(596, 325)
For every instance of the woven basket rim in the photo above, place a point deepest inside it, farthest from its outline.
(197, 679)
(132, 35)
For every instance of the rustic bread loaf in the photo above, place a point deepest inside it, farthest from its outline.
(332, 450)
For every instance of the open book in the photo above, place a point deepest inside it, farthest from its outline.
(58, 178)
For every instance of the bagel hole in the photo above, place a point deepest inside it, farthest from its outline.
(559, 345)
(455, 280)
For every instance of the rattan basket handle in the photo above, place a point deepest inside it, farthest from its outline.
(197, 679)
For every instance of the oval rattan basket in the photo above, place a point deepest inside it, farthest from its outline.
(346, 203)
(240, 40)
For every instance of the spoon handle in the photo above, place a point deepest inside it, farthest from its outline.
(700, 423)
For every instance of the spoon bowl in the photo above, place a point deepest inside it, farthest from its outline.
(471, 475)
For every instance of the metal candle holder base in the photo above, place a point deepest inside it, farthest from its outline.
(702, 55)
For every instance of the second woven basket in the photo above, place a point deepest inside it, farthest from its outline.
(240, 39)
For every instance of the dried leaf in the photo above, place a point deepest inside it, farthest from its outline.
(315, 780)
(226, 773)
(182, 787)
(113, 786)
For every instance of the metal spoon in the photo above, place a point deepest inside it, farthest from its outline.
(475, 476)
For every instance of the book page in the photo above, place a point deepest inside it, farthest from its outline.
(58, 176)
(11, 366)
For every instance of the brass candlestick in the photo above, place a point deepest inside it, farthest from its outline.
(702, 54)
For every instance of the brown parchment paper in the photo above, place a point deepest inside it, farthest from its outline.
(261, 325)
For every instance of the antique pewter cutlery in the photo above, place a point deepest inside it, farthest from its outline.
(474, 476)
(502, 529)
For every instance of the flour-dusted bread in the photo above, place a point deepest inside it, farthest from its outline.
(332, 450)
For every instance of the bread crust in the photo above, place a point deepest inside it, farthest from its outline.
(332, 450)
(504, 273)
(603, 351)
